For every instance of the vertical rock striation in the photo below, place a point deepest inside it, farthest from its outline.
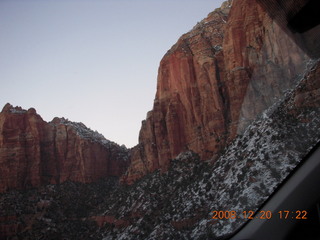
(213, 82)
(34, 152)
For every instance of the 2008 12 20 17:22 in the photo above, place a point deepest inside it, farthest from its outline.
(283, 214)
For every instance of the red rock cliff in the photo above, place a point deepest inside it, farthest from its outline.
(34, 152)
(230, 66)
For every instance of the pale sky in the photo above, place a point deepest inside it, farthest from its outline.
(91, 61)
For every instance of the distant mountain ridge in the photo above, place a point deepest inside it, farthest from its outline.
(34, 152)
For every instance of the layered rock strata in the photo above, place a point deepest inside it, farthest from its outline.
(34, 152)
(213, 82)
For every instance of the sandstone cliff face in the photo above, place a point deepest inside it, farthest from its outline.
(213, 82)
(34, 152)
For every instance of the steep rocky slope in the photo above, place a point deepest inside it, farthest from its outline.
(34, 152)
(178, 204)
(213, 82)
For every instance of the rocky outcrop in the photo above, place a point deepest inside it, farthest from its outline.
(34, 152)
(213, 82)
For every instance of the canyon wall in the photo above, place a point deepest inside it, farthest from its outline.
(34, 152)
(213, 82)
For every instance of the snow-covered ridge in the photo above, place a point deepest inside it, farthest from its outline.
(17, 111)
(254, 165)
(8, 108)
(86, 133)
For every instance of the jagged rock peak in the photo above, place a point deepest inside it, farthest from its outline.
(8, 108)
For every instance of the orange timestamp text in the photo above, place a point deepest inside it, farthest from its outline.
(283, 214)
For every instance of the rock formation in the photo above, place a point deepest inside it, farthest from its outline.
(213, 82)
(34, 152)
(236, 90)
